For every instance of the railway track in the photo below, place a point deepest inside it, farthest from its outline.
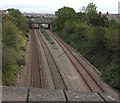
(89, 80)
(41, 78)
(36, 75)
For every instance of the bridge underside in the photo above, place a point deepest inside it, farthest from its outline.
(39, 22)
(40, 25)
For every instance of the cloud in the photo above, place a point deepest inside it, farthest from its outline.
(53, 5)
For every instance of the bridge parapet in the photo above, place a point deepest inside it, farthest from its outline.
(21, 94)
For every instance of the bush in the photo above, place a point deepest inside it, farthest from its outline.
(9, 74)
(111, 74)
(69, 27)
(97, 42)
(21, 61)
(8, 56)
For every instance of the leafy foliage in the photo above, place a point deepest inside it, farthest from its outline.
(97, 40)
(64, 14)
(21, 22)
(91, 8)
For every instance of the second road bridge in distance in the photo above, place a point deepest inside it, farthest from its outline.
(36, 23)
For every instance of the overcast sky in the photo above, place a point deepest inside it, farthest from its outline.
(50, 6)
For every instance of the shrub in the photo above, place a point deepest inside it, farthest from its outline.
(97, 40)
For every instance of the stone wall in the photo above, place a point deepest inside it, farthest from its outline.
(31, 95)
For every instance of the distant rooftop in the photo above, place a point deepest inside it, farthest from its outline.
(38, 14)
(114, 16)
(4, 11)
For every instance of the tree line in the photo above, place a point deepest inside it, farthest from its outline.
(94, 36)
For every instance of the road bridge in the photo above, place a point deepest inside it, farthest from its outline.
(37, 22)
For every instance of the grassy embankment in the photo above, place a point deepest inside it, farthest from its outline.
(14, 39)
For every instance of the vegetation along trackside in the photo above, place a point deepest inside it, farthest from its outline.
(47, 36)
(15, 29)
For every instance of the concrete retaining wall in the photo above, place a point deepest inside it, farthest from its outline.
(21, 94)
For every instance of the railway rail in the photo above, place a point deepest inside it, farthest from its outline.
(89, 80)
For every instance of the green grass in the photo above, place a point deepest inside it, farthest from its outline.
(10, 74)
(47, 36)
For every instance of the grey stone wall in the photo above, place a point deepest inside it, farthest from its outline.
(31, 95)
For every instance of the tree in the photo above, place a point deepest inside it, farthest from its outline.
(21, 21)
(91, 12)
(64, 14)
(82, 16)
(83, 9)
(91, 8)
(98, 20)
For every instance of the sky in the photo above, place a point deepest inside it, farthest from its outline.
(50, 6)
